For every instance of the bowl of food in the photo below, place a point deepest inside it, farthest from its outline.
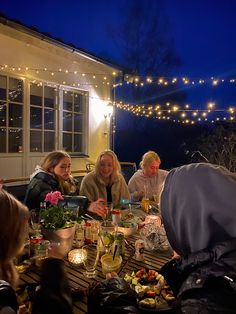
(128, 228)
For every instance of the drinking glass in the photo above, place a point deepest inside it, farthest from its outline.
(35, 221)
(106, 237)
(91, 257)
(109, 207)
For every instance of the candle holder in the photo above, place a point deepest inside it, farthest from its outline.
(76, 257)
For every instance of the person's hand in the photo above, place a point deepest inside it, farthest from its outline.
(175, 255)
(111, 275)
(139, 195)
(98, 207)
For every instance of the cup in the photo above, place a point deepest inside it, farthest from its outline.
(116, 216)
(109, 265)
(41, 252)
(91, 257)
(145, 203)
(35, 220)
(109, 207)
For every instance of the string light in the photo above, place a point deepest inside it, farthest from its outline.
(185, 113)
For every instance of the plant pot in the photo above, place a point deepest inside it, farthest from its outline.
(63, 239)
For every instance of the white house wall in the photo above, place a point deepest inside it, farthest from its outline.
(21, 50)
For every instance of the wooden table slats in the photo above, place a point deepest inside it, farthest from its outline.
(153, 260)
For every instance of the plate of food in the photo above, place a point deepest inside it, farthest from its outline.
(153, 292)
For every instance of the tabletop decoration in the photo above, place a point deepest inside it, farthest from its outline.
(58, 223)
(76, 257)
(55, 216)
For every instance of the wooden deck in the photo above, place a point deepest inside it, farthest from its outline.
(153, 260)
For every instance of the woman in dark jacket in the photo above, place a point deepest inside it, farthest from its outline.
(54, 174)
(198, 206)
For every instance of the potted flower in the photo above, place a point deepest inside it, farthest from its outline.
(58, 223)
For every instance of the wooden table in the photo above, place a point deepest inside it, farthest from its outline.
(153, 260)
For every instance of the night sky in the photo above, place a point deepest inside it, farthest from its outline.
(203, 33)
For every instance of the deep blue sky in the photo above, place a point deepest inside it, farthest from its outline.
(203, 33)
(203, 30)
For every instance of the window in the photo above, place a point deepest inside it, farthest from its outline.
(73, 128)
(11, 115)
(56, 118)
(42, 118)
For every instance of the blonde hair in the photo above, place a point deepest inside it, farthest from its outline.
(50, 161)
(115, 163)
(13, 227)
(148, 158)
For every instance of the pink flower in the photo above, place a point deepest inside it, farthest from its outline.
(53, 197)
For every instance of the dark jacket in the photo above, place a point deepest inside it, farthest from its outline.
(41, 184)
(54, 294)
(205, 282)
(8, 301)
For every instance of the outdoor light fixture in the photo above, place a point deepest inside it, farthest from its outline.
(108, 111)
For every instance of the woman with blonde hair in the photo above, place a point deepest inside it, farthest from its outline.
(148, 181)
(13, 229)
(105, 182)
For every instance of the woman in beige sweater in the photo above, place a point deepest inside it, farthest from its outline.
(105, 182)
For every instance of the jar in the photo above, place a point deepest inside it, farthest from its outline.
(87, 233)
(139, 250)
(79, 235)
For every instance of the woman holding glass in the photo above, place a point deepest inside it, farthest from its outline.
(148, 181)
(105, 182)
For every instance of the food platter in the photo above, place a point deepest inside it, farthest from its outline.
(154, 295)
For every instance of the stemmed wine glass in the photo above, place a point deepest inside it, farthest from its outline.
(35, 221)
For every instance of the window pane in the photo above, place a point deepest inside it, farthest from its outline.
(78, 102)
(49, 141)
(3, 140)
(15, 90)
(3, 87)
(78, 123)
(36, 94)
(49, 121)
(3, 109)
(15, 115)
(49, 98)
(35, 118)
(78, 143)
(67, 142)
(35, 141)
(15, 140)
(67, 101)
(67, 121)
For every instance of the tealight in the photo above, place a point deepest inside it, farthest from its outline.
(77, 256)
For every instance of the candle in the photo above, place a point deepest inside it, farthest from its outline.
(76, 256)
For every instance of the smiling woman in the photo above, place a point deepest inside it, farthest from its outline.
(106, 182)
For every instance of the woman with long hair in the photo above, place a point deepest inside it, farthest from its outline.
(13, 230)
(105, 182)
(53, 174)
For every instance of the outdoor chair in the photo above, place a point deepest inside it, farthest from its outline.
(128, 169)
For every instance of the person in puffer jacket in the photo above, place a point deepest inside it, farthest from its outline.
(198, 207)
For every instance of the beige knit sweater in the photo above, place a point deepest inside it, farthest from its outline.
(93, 188)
